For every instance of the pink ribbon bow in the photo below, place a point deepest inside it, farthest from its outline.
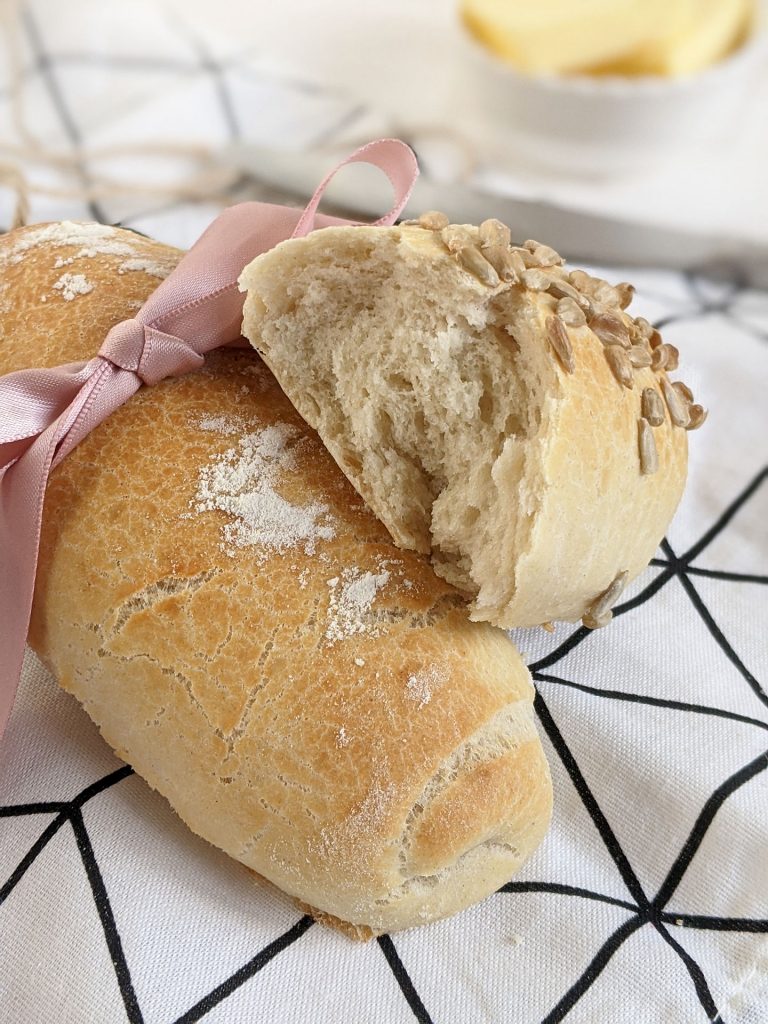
(44, 414)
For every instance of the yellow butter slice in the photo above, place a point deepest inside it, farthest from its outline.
(703, 33)
(560, 36)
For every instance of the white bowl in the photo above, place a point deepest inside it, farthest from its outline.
(594, 125)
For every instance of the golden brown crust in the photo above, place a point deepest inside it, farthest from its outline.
(227, 675)
(357, 932)
(473, 806)
(35, 288)
(599, 514)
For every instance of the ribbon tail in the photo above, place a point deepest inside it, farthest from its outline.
(22, 495)
(22, 491)
(30, 400)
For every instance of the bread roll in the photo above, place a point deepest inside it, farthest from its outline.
(455, 381)
(308, 697)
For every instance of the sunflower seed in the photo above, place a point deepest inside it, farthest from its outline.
(558, 271)
(456, 237)
(639, 356)
(527, 257)
(678, 408)
(625, 292)
(697, 415)
(610, 329)
(683, 390)
(652, 407)
(665, 357)
(517, 262)
(673, 356)
(660, 357)
(605, 602)
(649, 458)
(561, 343)
(563, 290)
(545, 256)
(493, 233)
(643, 328)
(473, 260)
(621, 368)
(433, 220)
(605, 293)
(595, 288)
(646, 332)
(501, 260)
(570, 312)
(537, 280)
(580, 279)
(592, 623)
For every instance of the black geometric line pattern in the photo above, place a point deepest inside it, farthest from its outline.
(644, 909)
(647, 911)
(403, 980)
(676, 566)
(653, 910)
(101, 899)
(246, 972)
(659, 702)
(593, 971)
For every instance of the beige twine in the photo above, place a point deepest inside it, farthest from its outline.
(211, 182)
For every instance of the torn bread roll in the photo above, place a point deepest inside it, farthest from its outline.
(497, 412)
(243, 631)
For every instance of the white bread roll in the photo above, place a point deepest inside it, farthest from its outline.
(455, 381)
(243, 631)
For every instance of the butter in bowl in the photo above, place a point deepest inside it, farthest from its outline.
(611, 86)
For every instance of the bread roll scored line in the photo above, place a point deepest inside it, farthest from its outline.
(314, 761)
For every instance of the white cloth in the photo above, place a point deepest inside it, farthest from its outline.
(656, 728)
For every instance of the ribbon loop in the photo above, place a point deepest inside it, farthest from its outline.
(393, 157)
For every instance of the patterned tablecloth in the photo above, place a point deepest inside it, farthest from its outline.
(648, 901)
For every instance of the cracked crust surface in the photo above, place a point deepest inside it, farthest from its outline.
(385, 777)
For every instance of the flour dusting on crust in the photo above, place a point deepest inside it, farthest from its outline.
(421, 686)
(241, 483)
(152, 267)
(226, 425)
(92, 240)
(349, 603)
(71, 285)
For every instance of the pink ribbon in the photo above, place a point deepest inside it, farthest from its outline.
(45, 413)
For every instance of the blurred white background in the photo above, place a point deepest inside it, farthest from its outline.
(334, 75)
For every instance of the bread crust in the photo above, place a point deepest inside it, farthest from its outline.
(302, 748)
(537, 525)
